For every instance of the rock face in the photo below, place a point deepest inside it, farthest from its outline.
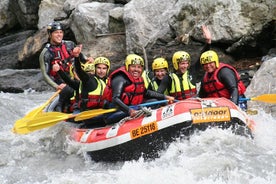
(114, 28)
(17, 81)
(264, 82)
(10, 46)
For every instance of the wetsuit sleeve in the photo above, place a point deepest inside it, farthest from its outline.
(164, 84)
(201, 92)
(44, 62)
(72, 83)
(81, 73)
(154, 94)
(118, 84)
(228, 78)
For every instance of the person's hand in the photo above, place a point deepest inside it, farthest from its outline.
(77, 50)
(61, 86)
(207, 34)
(132, 113)
(90, 60)
(170, 99)
(56, 67)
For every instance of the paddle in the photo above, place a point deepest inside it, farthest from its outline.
(93, 113)
(38, 110)
(48, 119)
(268, 98)
(41, 121)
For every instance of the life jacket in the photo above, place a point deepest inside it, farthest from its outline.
(133, 94)
(182, 88)
(214, 88)
(146, 78)
(94, 98)
(61, 56)
(150, 83)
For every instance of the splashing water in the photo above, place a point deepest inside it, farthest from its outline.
(213, 156)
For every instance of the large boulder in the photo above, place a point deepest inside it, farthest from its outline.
(263, 82)
(114, 28)
(8, 19)
(17, 81)
(25, 12)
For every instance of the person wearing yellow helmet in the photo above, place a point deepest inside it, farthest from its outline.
(126, 87)
(102, 67)
(93, 81)
(220, 80)
(181, 85)
(160, 70)
(89, 67)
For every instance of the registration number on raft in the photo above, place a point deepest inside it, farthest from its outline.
(144, 130)
(210, 114)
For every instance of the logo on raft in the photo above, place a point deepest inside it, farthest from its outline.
(212, 114)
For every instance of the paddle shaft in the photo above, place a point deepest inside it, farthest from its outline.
(96, 112)
(47, 119)
(38, 110)
(268, 98)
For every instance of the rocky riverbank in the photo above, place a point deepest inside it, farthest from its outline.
(242, 36)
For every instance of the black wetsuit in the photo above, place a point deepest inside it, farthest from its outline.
(45, 60)
(89, 81)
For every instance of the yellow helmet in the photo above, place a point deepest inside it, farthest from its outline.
(180, 56)
(209, 57)
(89, 67)
(134, 59)
(102, 60)
(159, 63)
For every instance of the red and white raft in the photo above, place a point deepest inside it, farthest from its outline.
(146, 135)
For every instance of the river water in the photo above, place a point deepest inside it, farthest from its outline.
(213, 156)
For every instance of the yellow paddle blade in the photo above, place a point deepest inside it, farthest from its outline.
(44, 120)
(92, 113)
(40, 108)
(269, 98)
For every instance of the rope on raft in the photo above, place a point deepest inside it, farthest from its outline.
(143, 111)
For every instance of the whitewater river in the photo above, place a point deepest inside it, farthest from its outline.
(213, 156)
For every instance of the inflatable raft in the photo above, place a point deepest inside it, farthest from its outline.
(145, 136)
